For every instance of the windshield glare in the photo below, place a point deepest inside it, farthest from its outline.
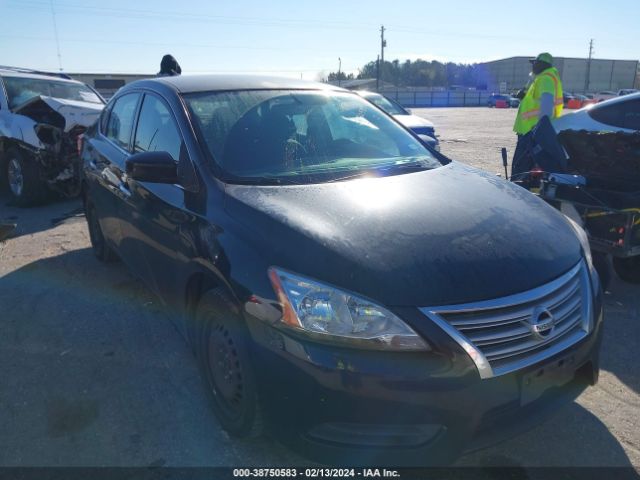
(302, 136)
(20, 90)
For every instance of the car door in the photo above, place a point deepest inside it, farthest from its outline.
(4, 119)
(157, 221)
(104, 156)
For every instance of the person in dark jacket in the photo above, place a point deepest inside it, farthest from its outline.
(6, 230)
(169, 67)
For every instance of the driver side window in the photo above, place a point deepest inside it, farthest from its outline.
(157, 131)
(120, 121)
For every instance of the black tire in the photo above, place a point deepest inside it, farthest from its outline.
(602, 266)
(628, 268)
(222, 349)
(101, 250)
(23, 178)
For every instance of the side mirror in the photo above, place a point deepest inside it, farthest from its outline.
(427, 140)
(155, 167)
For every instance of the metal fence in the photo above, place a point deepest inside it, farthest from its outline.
(450, 98)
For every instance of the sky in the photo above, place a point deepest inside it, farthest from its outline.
(302, 38)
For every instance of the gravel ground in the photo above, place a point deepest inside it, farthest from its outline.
(474, 135)
(94, 374)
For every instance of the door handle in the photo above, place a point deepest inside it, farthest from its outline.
(124, 189)
(109, 176)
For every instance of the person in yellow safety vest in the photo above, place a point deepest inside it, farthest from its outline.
(542, 98)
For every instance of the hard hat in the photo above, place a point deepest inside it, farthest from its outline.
(543, 57)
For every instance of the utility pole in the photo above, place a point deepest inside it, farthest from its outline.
(383, 43)
(55, 31)
(339, 69)
(586, 80)
(378, 74)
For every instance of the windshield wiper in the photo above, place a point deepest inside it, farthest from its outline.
(411, 165)
(349, 177)
(383, 169)
(263, 180)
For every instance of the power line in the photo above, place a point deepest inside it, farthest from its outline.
(68, 9)
(160, 44)
(253, 21)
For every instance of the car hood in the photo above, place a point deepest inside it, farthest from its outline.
(413, 121)
(443, 236)
(571, 121)
(71, 112)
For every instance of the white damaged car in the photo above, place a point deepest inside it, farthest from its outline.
(42, 117)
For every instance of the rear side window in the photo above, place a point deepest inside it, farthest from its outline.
(157, 131)
(621, 114)
(121, 119)
(631, 115)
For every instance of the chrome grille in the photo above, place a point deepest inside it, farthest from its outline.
(501, 335)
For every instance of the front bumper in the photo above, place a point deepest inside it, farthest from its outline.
(345, 406)
(59, 166)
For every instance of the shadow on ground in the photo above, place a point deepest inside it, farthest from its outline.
(31, 220)
(94, 373)
(573, 437)
(622, 333)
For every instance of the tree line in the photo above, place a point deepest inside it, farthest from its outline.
(421, 73)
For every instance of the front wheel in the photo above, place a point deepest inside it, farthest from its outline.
(23, 176)
(222, 348)
(627, 268)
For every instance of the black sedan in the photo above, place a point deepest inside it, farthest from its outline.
(363, 297)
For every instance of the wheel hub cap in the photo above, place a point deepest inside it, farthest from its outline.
(225, 367)
(15, 177)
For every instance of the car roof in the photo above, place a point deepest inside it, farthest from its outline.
(35, 76)
(367, 93)
(614, 100)
(219, 82)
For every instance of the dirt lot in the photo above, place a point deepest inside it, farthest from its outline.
(474, 135)
(93, 372)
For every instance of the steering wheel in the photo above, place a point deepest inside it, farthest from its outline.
(297, 144)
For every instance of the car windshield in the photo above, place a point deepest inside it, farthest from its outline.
(20, 90)
(387, 105)
(302, 136)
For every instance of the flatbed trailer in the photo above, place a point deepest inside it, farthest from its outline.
(599, 187)
(611, 218)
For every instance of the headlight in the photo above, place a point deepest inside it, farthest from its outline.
(329, 314)
(584, 241)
